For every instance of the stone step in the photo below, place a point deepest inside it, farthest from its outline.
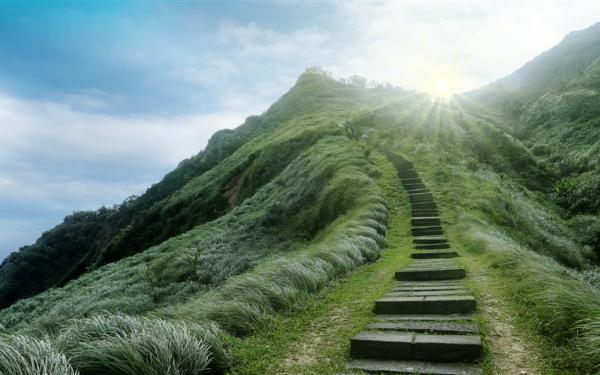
(427, 327)
(425, 305)
(433, 285)
(428, 288)
(408, 174)
(432, 263)
(413, 185)
(417, 191)
(425, 221)
(403, 165)
(411, 181)
(433, 246)
(434, 254)
(413, 367)
(427, 231)
(421, 347)
(424, 213)
(421, 198)
(424, 317)
(409, 283)
(420, 293)
(423, 206)
(416, 274)
(429, 239)
(430, 227)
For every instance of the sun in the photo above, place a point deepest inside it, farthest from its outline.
(442, 89)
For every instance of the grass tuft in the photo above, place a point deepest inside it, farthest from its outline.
(23, 355)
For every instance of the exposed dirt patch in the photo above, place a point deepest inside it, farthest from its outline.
(306, 352)
(510, 353)
(233, 189)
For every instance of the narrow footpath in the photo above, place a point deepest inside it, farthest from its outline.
(424, 325)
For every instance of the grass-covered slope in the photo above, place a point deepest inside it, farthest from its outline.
(494, 196)
(307, 210)
(295, 201)
(234, 165)
(552, 105)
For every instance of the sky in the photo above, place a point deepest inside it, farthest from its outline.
(98, 100)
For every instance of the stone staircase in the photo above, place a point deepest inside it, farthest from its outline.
(424, 325)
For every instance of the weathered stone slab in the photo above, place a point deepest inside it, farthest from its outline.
(410, 180)
(433, 246)
(425, 221)
(413, 367)
(421, 198)
(447, 348)
(415, 186)
(408, 174)
(398, 346)
(417, 293)
(425, 305)
(448, 273)
(433, 254)
(427, 231)
(428, 284)
(417, 206)
(426, 288)
(429, 239)
(424, 213)
(436, 263)
(427, 327)
(424, 317)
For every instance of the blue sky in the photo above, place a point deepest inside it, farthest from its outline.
(100, 100)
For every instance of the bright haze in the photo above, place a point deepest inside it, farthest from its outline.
(97, 102)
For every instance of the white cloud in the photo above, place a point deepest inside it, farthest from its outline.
(55, 133)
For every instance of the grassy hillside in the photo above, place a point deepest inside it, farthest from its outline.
(317, 215)
(231, 243)
(552, 105)
(235, 164)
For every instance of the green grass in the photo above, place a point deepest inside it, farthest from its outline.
(313, 337)
(317, 220)
(270, 251)
(23, 355)
(119, 344)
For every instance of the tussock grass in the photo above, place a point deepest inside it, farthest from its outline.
(119, 344)
(553, 301)
(23, 355)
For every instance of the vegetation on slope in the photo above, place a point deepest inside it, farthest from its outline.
(234, 165)
(292, 204)
(494, 189)
(317, 219)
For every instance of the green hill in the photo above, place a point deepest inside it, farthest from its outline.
(187, 278)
